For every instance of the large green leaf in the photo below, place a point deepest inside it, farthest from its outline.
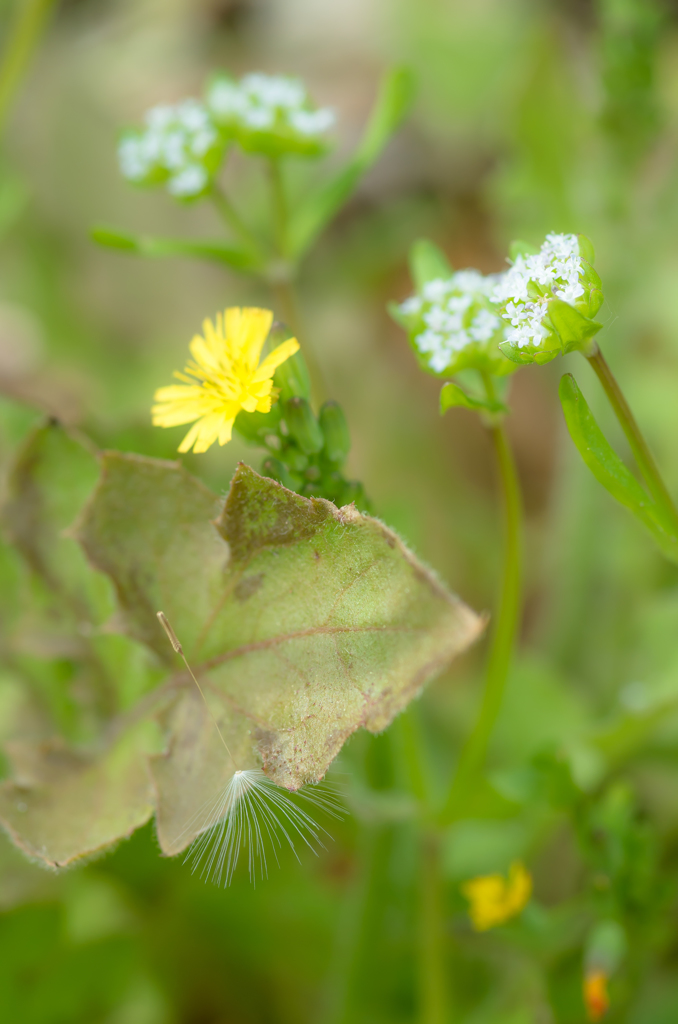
(302, 621)
(393, 102)
(609, 469)
(149, 529)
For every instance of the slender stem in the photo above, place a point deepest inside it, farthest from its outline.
(637, 442)
(433, 995)
(281, 279)
(507, 622)
(279, 204)
(232, 218)
(24, 36)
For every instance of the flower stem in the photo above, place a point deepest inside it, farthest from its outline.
(506, 625)
(279, 206)
(231, 217)
(433, 994)
(282, 277)
(637, 442)
(24, 36)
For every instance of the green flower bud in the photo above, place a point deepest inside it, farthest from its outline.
(295, 459)
(303, 426)
(291, 377)
(274, 469)
(335, 431)
(255, 427)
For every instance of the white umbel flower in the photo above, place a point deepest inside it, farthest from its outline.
(180, 146)
(452, 324)
(269, 113)
(558, 267)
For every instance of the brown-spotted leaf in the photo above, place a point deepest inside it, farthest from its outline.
(148, 528)
(303, 622)
(196, 766)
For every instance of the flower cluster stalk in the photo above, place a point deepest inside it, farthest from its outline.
(433, 992)
(637, 442)
(506, 627)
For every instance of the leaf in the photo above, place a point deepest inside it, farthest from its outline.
(608, 468)
(64, 805)
(428, 262)
(318, 623)
(53, 474)
(148, 527)
(234, 256)
(451, 396)
(394, 99)
(195, 764)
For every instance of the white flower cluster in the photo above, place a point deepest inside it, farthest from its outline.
(263, 102)
(557, 267)
(173, 147)
(455, 315)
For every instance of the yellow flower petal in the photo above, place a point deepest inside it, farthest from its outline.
(273, 360)
(494, 899)
(223, 377)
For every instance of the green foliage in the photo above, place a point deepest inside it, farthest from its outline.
(527, 121)
(427, 262)
(609, 469)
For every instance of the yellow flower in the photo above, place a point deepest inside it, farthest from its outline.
(596, 998)
(224, 377)
(495, 899)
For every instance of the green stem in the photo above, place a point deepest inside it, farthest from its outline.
(506, 625)
(232, 218)
(24, 36)
(281, 278)
(279, 204)
(433, 994)
(637, 442)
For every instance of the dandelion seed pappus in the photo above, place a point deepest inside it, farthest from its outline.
(250, 813)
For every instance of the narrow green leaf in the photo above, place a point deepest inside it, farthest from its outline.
(393, 101)
(608, 468)
(234, 256)
(428, 262)
(452, 395)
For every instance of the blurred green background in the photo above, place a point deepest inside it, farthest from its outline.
(529, 117)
